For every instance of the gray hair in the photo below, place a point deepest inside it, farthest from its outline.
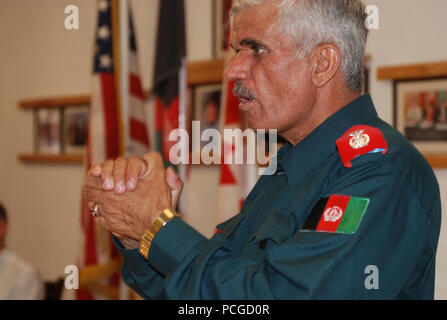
(312, 22)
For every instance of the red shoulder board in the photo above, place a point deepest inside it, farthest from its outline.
(360, 140)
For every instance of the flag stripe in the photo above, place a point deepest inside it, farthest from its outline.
(353, 216)
(315, 215)
(111, 117)
(335, 201)
(138, 131)
(135, 86)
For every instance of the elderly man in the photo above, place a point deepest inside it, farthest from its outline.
(352, 212)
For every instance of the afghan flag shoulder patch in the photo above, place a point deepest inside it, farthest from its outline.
(336, 214)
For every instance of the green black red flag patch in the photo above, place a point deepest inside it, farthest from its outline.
(336, 214)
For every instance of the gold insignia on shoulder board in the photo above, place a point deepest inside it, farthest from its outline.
(359, 139)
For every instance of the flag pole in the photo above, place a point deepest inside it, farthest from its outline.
(182, 125)
(124, 68)
(123, 10)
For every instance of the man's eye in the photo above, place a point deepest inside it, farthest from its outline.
(259, 50)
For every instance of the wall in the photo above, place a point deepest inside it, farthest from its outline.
(409, 33)
(40, 58)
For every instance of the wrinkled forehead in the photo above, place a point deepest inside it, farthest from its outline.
(256, 12)
(260, 20)
(260, 24)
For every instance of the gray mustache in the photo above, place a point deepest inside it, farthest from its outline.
(241, 91)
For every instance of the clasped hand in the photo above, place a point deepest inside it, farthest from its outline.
(130, 194)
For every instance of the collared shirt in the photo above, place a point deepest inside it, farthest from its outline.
(265, 252)
(18, 279)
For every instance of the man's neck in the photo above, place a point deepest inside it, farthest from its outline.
(325, 106)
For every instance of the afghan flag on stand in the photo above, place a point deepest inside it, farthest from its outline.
(171, 51)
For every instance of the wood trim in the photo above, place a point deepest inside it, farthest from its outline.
(414, 71)
(93, 273)
(52, 158)
(437, 161)
(55, 102)
(205, 72)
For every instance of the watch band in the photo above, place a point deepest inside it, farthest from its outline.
(145, 243)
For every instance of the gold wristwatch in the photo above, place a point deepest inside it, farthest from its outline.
(145, 242)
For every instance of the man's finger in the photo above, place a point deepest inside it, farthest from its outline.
(119, 173)
(107, 175)
(93, 182)
(154, 162)
(136, 168)
(95, 170)
(175, 184)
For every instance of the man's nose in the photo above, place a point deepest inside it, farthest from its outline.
(237, 69)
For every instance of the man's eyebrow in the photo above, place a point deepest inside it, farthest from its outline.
(252, 43)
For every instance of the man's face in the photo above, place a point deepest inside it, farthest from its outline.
(265, 64)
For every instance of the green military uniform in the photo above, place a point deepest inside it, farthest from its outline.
(278, 247)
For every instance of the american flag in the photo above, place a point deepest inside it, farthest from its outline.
(106, 129)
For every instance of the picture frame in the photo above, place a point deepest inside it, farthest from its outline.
(420, 113)
(47, 137)
(221, 26)
(207, 108)
(74, 129)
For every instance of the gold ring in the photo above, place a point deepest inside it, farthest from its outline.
(95, 210)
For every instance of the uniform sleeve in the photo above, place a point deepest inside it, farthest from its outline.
(391, 244)
(139, 275)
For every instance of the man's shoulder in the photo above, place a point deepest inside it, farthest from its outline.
(405, 165)
(12, 260)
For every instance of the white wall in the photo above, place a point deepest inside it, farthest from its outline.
(410, 32)
(39, 58)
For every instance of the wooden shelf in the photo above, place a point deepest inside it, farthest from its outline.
(205, 72)
(437, 161)
(52, 158)
(55, 102)
(413, 71)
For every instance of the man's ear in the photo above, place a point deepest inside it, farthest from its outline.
(326, 61)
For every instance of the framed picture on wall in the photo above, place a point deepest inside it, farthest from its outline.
(221, 26)
(74, 129)
(207, 108)
(420, 113)
(47, 131)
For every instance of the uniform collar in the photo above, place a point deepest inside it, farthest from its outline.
(298, 161)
